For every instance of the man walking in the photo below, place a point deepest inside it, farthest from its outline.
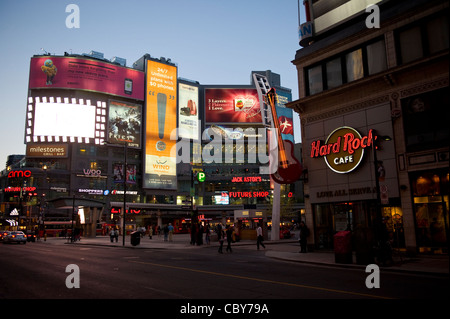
(259, 237)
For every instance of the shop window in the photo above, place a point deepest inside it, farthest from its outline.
(354, 65)
(431, 206)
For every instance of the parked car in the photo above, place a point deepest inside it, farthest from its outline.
(3, 233)
(15, 237)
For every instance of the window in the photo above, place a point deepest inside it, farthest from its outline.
(315, 79)
(376, 57)
(334, 73)
(437, 34)
(354, 65)
(411, 47)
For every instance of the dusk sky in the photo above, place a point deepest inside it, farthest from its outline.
(211, 41)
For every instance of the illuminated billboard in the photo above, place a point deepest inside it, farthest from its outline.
(64, 119)
(161, 122)
(285, 115)
(85, 74)
(188, 111)
(124, 123)
(230, 105)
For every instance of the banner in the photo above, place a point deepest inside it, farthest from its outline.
(161, 119)
(85, 74)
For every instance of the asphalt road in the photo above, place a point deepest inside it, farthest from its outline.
(39, 271)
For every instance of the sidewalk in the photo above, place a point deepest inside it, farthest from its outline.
(283, 249)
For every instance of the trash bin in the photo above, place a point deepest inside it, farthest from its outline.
(343, 248)
(135, 238)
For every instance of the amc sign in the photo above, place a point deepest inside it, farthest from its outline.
(15, 174)
(343, 150)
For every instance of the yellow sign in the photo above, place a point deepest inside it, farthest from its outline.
(161, 115)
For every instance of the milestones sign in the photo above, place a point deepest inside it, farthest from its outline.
(343, 150)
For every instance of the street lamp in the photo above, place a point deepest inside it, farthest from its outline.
(125, 149)
(378, 221)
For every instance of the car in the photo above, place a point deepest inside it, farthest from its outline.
(15, 237)
(31, 236)
(3, 233)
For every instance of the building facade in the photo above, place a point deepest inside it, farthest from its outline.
(373, 105)
(94, 126)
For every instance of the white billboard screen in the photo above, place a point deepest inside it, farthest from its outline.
(60, 119)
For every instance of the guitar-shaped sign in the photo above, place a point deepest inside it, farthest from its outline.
(289, 168)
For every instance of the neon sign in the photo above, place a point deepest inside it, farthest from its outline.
(14, 174)
(129, 211)
(249, 194)
(246, 179)
(343, 149)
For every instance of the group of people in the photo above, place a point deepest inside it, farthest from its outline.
(223, 234)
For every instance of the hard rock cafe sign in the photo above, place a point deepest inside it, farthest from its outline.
(344, 149)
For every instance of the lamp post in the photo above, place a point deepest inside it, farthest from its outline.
(378, 221)
(124, 210)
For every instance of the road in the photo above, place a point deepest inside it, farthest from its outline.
(38, 271)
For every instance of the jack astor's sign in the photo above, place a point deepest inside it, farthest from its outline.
(344, 149)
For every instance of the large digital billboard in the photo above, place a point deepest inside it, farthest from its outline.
(124, 123)
(188, 111)
(231, 105)
(161, 121)
(86, 74)
(64, 119)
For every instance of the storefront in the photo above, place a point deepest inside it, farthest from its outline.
(431, 207)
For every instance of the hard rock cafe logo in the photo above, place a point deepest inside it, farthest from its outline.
(344, 149)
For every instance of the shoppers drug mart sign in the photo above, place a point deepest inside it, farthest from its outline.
(344, 149)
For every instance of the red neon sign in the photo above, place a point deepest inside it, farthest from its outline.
(249, 194)
(246, 179)
(14, 174)
(18, 189)
(129, 211)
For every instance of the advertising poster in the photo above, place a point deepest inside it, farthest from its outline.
(232, 106)
(285, 116)
(188, 111)
(124, 123)
(161, 119)
(118, 173)
(86, 74)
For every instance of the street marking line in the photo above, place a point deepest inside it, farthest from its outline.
(261, 280)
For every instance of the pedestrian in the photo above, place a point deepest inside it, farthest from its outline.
(259, 237)
(170, 232)
(220, 237)
(150, 232)
(200, 235)
(207, 234)
(112, 234)
(303, 237)
(229, 234)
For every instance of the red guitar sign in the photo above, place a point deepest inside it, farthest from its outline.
(289, 168)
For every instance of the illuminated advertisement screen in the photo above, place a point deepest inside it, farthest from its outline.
(161, 122)
(188, 111)
(61, 119)
(124, 123)
(86, 74)
(232, 106)
(118, 173)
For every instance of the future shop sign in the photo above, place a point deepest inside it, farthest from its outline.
(344, 149)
